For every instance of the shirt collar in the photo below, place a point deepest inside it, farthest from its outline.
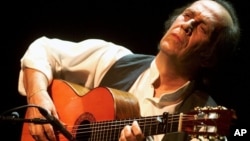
(154, 74)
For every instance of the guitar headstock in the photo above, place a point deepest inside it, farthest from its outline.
(208, 121)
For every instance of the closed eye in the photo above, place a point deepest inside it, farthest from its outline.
(187, 14)
(203, 28)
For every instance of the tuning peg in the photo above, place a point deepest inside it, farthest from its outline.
(210, 108)
(217, 138)
(206, 138)
(195, 139)
(197, 108)
(222, 108)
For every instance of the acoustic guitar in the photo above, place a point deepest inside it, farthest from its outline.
(100, 114)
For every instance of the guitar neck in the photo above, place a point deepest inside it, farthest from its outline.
(152, 125)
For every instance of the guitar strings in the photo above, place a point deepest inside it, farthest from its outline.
(101, 126)
(101, 130)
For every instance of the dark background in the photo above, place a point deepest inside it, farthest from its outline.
(136, 25)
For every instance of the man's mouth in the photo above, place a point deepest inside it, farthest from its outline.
(177, 37)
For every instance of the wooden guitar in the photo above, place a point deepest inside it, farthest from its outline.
(101, 113)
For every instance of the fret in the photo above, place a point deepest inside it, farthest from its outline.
(106, 130)
(152, 125)
(172, 123)
(97, 136)
(144, 125)
(180, 122)
(92, 130)
(110, 132)
(101, 130)
(116, 130)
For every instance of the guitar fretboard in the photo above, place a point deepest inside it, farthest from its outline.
(110, 130)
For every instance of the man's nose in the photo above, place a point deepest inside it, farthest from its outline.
(188, 26)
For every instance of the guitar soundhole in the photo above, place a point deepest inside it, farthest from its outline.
(82, 129)
(83, 133)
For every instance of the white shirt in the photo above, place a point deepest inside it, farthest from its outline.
(86, 63)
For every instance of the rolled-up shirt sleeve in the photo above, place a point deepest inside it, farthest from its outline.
(83, 62)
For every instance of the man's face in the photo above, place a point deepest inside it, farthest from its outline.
(190, 33)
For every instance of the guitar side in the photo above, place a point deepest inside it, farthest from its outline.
(98, 104)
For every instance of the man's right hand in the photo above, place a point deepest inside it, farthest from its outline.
(41, 132)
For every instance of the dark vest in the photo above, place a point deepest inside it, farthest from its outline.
(126, 70)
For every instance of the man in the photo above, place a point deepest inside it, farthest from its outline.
(195, 42)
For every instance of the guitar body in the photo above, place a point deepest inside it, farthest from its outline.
(76, 106)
